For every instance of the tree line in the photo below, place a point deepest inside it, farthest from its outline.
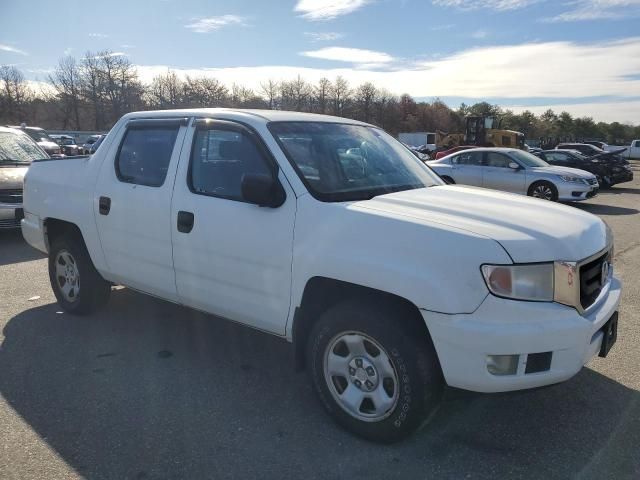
(93, 92)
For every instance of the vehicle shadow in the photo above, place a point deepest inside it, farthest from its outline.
(618, 190)
(13, 248)
(147, 389)
(599, 209)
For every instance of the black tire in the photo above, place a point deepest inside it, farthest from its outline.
(412, 356)
(93, 291)
(449, 180)
(544, 184)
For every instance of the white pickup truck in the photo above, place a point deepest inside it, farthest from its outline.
(630, 152)
(331, 234)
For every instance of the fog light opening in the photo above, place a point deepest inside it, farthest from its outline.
(502, 364)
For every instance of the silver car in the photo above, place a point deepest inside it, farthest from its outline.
(515, 171)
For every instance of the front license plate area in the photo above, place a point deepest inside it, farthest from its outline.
(610, 335)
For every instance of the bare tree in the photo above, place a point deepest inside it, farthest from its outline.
(166, 91)
(270, 91)
(15, 95)
(205, 92)
(67, 82)
(322, 94)
(340, 95)
(365, 96)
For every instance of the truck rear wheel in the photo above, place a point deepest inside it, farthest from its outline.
(76, 283)
(374, 376)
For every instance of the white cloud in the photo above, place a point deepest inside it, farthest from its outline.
(598, 10)
(98, 35)
(10, 49)
(127, 46)
(324, 36)
(210, 24)
(67, 51)
(113, 54)
(327, 9)
(500, 5)
(479, 34)
(352, 55)
(506, 72)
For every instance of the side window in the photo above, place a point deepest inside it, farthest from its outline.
(219, 159)
(557, 157)
(144, 155)
(497, 160)
(470, 158)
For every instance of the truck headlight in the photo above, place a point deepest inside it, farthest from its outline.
(532, 282)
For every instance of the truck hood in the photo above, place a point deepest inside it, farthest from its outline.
(12, 177)
(529, 229)
(574, 172)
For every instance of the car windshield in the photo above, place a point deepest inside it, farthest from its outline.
(528, 160)
(341, 162)
(18, 148)
(39, 135)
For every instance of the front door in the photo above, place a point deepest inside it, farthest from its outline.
(500, 176)
(232, 258)
(133, 205)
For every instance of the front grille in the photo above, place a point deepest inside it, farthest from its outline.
(10, 223)
(11, 196)
(593, 276)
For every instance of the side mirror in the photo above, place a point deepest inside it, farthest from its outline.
(514, 166)
(263, 190)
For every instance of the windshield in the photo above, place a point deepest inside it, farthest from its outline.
(528, 160)
(341, 162)
(18, 148)
(39, 135)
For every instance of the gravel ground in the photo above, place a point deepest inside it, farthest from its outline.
(149, 390)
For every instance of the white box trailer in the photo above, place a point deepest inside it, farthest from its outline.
(418, 139)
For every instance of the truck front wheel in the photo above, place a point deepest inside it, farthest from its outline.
(76, 283)
(374, 376)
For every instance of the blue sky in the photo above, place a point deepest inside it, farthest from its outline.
(578, 55)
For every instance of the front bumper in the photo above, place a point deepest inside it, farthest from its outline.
(509, 327)
(621, 177)
(571, 192)
(10, 215)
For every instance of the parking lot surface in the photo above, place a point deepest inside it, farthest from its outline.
(149, 390)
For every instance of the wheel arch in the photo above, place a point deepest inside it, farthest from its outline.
(322, 293)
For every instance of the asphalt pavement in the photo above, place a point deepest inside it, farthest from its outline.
(149, 390)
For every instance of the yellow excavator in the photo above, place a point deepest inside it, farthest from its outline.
(481, 131)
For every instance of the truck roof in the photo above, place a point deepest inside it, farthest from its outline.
(248, 115)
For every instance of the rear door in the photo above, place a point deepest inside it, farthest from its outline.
(467, 168)
(232, 258)
(133, 205)
(499, 176)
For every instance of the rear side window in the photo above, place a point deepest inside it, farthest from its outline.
(469, 158)
(144, 155)
(220, 158)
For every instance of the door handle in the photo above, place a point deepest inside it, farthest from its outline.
(104, 205)
(185, 221)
